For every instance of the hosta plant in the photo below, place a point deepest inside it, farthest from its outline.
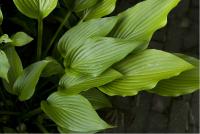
(95, 57)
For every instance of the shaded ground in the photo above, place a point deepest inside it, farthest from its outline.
(151, 113)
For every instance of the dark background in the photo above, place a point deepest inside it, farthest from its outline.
(152, 113)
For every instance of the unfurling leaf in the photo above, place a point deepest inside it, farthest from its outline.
(185, 83)
(35, 9)
(20, 39)
(142, 20)
(73, 113)
(25, 84)
(1, 17)
(143, 70)
(4, 66)
(97, 99)
(4, 39)
(73, 83)
(15, 70)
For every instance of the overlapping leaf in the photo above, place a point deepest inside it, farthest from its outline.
(20, 39)
(143, 70)
(102, 8)
(81, 5)
(5, 39)
(73, 39)
(185, 83)
(97, 99)
(25, 84)
(15, 70)
(4, 65)
(72, 113)
(35, 9)
(99, 53)
(142, 20)
(73, 83)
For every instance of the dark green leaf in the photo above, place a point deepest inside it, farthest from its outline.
(81, 5)
(97, 98)
(1, 17)
(25, 84)
(4, 65)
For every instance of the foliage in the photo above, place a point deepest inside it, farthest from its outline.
(95, 55)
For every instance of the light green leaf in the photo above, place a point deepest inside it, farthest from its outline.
(99, 53)
(81, 5)
(102, 8)
(5, 39)
(53, 68)
(97, 99)
(143, 70)
(74, 83)
(1, 17)
(36, 9)
(21, 39)
(142, 20)
(25, 84)
(15, 70)
(185, 83)
(4, 65)
(73, 113)
(73, 39)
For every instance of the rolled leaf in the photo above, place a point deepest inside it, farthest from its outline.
(185, 83)
(143, 70)
(15, 70)
(73, 113)
(4, 65)
(99, 53)
(36, 9)
(4, 39)
(74, 83)
(97, 99)
(1, 17)
(102, 8)
(142, 20)
(25, 84)
(73, 39)
(20, 39)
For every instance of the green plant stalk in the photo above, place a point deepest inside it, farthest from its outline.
(39, 41)
(57, 32)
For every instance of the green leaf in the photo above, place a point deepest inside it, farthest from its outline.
(76, 36)
(53, 68)
(1, 17)
(21, 39)
(74, 83)
(81, 5)
(15, 70)
(99, 53)
(143, 70)
(142, 20)
(102, 8)
(36, 9)
(185, 83)
(97, 99)
(4, 65)
(5, 39)
(73, 113)
(25, 84)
